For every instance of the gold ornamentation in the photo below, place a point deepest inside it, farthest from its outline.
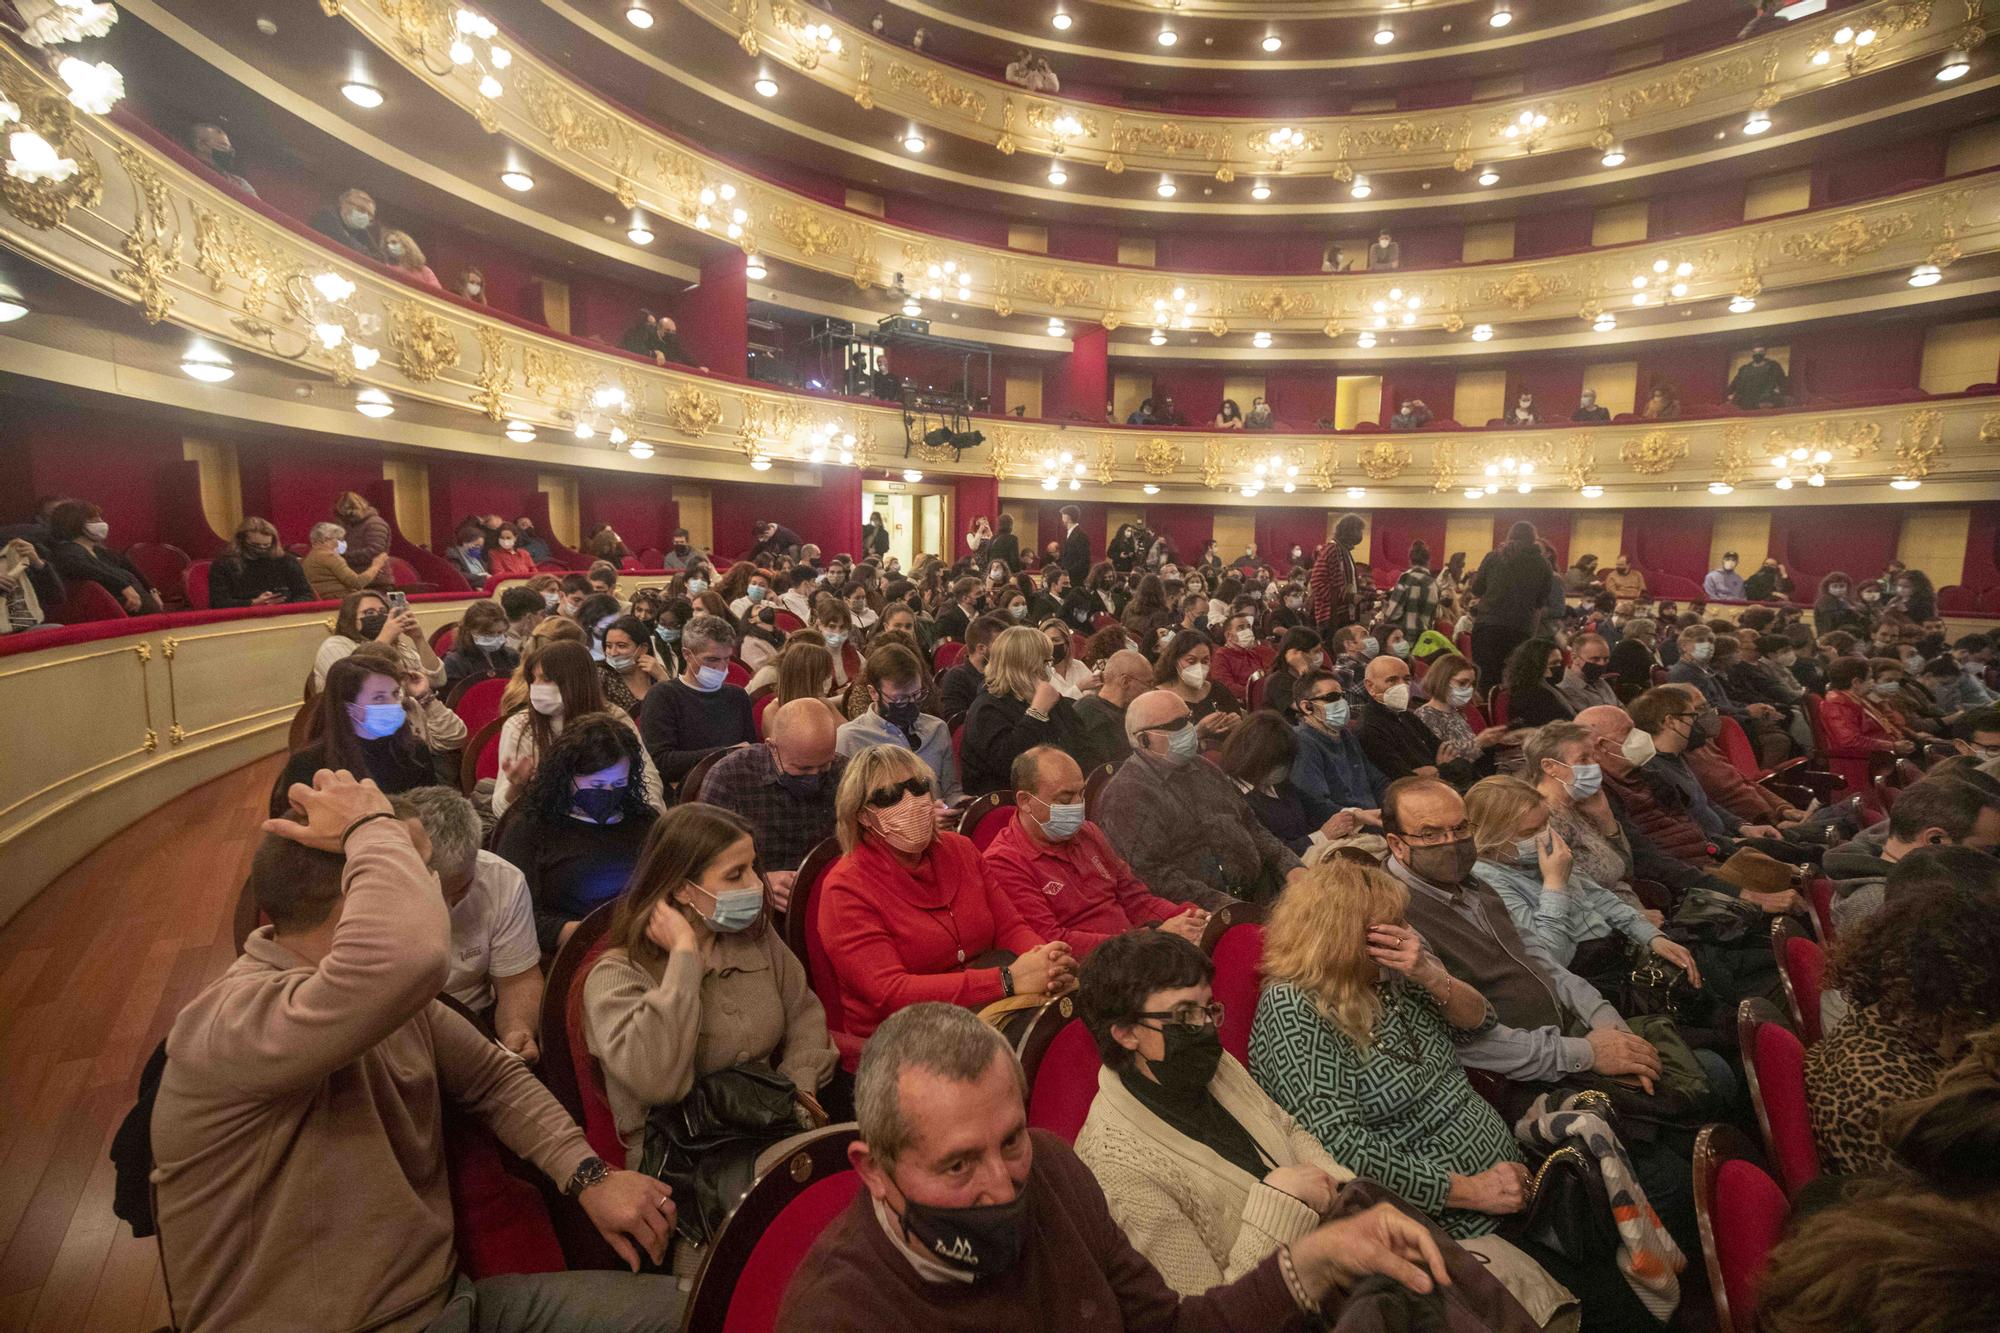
(1654, 452)
(942, 93)
(1525, 288)
(1051, 286)
(1169, 139)
(1276, 303)
(1732, 458)
(569, 125)
(1921, 446)
(1444, 466)
(47, 203)
(1847, 239)
(1580, 465)
(692, 411)
(1326, 464)
(1681, 86)
(226, 247)
(1382, 460)
(1107, 459)
(425, 345)
(1211, 462)
(1989, 429)
(1161, 457)
(810, 233)
(495, 377)
(557, 378)
(152, 248)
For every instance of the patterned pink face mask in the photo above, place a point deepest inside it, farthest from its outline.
(907, 826)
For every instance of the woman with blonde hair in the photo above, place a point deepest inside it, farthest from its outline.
(401, 251)
(367, 535)
(1019, 707)
(695, 980)
(908, 914)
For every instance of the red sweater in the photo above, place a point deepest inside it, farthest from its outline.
(1233, 666)
(1672, 831)
(898, 936)
(516, 563)
(1079, 892)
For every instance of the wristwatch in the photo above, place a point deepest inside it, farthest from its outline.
(1007, 981)
(588, 1172)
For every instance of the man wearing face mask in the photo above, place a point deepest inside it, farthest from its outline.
(210, 143)
(783, 789)
(970, 1221)
(1724, 785)
(1331, 774)
(1758, 382)
(894, 680)
(963, 680)
(1240, 656)
(1183, 825)
(697, 712)
(1678, 721)
(351, 221)
(1587, 682)
(1394, 740)
(682, 554)
(1060, 870)
(1724, 584)
(1624, 580)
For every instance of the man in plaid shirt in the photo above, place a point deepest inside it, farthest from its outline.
(1413, 602)
(1335, 586)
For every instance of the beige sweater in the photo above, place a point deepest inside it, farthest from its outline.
(298, 1139)
(658, 1027)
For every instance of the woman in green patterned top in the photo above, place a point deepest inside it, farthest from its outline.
(1354, 1039)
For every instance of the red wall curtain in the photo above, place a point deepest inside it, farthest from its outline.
(118, 462)
(827, 514)
(1670, 541)
(1299, 395)
(1556, 233)
(1982, 549)
(641, 509)
(472, 487)
(1196, 391)
(1557, 386)
(1079, 383)
(1813, 540)
(1434, 384)
(1552, 525)
(1699, 372)
(972, 498)
(1278, 530)
(1049, 527)
(1188, 527)
(1704, 208)
(1390, 532)
(295, 486)
(715, 315)
(1091, 245)
(1857, 363)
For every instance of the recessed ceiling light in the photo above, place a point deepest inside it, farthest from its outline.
(364, 95)
(1272, 43)
(1061, 19)
(206, 364)
(760, 463)
(1157, 338)
(1057, 328)
(1593, 492)
(1482, 333)
(1150, 489)
(1168, 37)
(1757, 124)
(373, 403)
(914, 142)
(639, 233)
(520, 432)
(12, 305)
(1956, 66)
(1360, 189)
(1384, 35)
(765, 86)
(1057, 176)
(638, 15)
(1166, 188)
(1742, 305)
(1260, 339)
(640, 449)
(912, 476)
(1926, 275)
(753, 268)
(1719, 488)
(1365, 339)
(1500, 17)
(1905, 484)
(1260, 192)
(517, 180)
(1489, 177)
(1615, 156)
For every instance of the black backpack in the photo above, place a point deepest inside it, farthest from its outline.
(132, 1150)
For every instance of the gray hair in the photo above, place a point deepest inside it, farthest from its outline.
(1549, 741)
(704, 632)
(325, 532)
(1644, 628)
(451, 822)
(941, 1039)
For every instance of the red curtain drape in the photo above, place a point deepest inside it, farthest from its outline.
(1278, 530)
(1670, 541)
(1812, 541)
(1551, 524)
(1390, 532)
(1188, 527)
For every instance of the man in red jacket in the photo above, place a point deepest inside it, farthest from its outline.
(1240, 656)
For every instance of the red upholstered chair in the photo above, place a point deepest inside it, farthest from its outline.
(946, 654)
(1741, 1213)
(443, 637)
(477, 701)
(194, 584)
(786, 622)
(1060, 1059)
(1742, 756)
(1955, 599)
(690, 788)
(803, 938)
(1775, 1063)
(1254, 691)
(1496, 705)
(404, 575)
(760, 704)
(752, 1259)
(1659, 675)
(1103, 620)
(163, 565)
(736, 674)
(83, 602)
(1234, 942)
(650, 558)
(567, 1065)
(958, 745)
(1093, 788)
(985, 817)
(501, 1222)
(1802, 971)
(481, 756)
(1820, 894)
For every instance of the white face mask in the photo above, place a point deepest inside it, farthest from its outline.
(1245, 638)
(340, 548)
(1701, 652)
(394, 249)
(1461, 695)
(97, 531)
(545, 697)
(356, 219)
(506, 543)
(1194, 677)
(1638, 748)
(1397, 697)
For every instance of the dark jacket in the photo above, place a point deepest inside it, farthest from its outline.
(106, 568)
(1076, 555)
(1006, 548)
(328, 222)
(957, 688)
(1100, 734)
(1537, 707)
(1398, 745)
(1512, 585)
(237, 582)
(1758, 384)
(998, 730)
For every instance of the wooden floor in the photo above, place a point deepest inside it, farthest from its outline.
(91, 975)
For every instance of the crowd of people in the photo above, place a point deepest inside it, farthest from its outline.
(1516, 885)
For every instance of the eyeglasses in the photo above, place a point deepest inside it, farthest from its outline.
(1435, 837)
(1178, 724)
(1189, 1015)
(884, 797)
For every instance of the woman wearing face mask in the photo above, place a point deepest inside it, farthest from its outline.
(563, 683)
(805, 671)
(1448, 712)
(505, 556)
(862, 612)
(1258, 756)
(1533, 671)
(365, 617)
(629, 669)
(675, 613)
(695, 980)
(907, 914)
(1068, 673)
(472, 286)
(1562, 763)
(1837, 608)
(581, 826)
(78, 533)
(1298, 652)
(367, 534)
(977, 540)
(479, 649)
(1183, 667)
(1354, 1039)
(836, 625)
(401, 252)
(1147, 613)
(257, 571)
(1017, 707)
(1583, 925)
(364, 729)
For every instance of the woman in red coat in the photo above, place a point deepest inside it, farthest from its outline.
(1856, 730)
(507, 557)
(907, 915)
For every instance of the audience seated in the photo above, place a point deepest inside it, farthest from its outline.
(581, 823)
(1259, 756)
(1182, 669)
(29, 586)
(1124, 675)
(366, 617)
(496, 963)
(327, 570)
(1240, 657)
(1396, 742)
(1020, 707)
(698, 712)
(1450, 689)
(697, 982)
(257, 571)
(210, 143)
(1956, 808)
(506, 556)
(1071, 677)
(563, 685)
(479, 650)
(1920, 977)
(783, 789)
(1722, 782)
(1338, 787)
(351, 222)
(1675, 718)
(1181, 824)
(467, 553)
(364, 729)
(322, 1058)
(629, 670)
(1064, 878)
(908, 914)
(1583, 684)
(1534, 670)
(1560, 761)
(894, 686)
(1759, 382)
(77, 533)
(1298, 652)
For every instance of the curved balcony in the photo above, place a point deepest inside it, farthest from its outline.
(134, 225)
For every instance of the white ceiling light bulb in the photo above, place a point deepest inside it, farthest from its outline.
(1719, 488)
(1957, 64)
(1157, 338)
(1614, 156)
(914, 142)
(1167, 37)
(1741, 304)
(1905, 483)
(461, 52)
(1365, 339)
(1272, 43)
(1489, 177)
(517, 180)
(639, 449)
(1057, 329)
(1062, 20)
(520, 432)
(364, 356)
(616, 435)
(12, 305)
(1501, 16)
(1166, 189)
(1783, 483)
(639, 233)
(912, 476)
(1605, 322)
(1260, 192)
(638, 15)
(1926, 275)
(206, 364)
(765, 86)
(364, 95)
(1482, 333)
(753, 268)
(1384, 35)
(1757, 124)
(1360, 189)
(1357, 492)
(489, 87)
(1057, 176)
(759, 463)
(1261, 339)
(1593, 492)
(584, 431)
(1150, 489)
(912, 308)
(373, 403)
(93, 88)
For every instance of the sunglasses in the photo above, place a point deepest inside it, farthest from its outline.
(884, 797)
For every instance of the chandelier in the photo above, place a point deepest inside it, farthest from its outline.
(1800, 464)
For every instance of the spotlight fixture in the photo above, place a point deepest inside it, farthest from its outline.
(517, 180)
(1365, 339)
(1957, 64)
(1904, 483)
(639, 233)
(1360, 189)
(912, 476)
(1261, 338)
(1489, 177)
(1167, 37)
(1757, 124)
(1166, 189)
(914, 142)
(520, 432)
(1057, 329)
(1061, 20)
(1926, 275)
(1605, 322)
(1150, 489)
(1501, 16)
(1057, 176)
(1482, 333)
(639, 449)
(765, 86)
(759, 463)
(938, 437)
(1272, 43)
(1157, 338)
(638, 15)
(1384, 35)
(364, 95)
(1593, 492)
(1741, 304)
(912, 308)
(1719, 488)
(1614, 156)
(753, 268)
(206, 364)
(373, 403)
(1260, 192)
(12, 305)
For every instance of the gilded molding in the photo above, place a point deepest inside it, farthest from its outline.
(425, 346)
(1654, 453)
(152, 246)
(47, 203)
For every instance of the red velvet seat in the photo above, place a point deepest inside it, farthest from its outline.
(786, 622)
(1820, 894)
(582, 1082)
(946, 654)
(759, 706)
(1955, 599)
(162, 564)
(1059, 1056)
(1802, 971)
(481, 756)
(802, 935)
(478, 701)
(984, 818)
(194, 583)
(1742, 1214)
(1774, 1062)
(502, 1224)
(753, 1257)
(83, 602)
(1235, 944)
(690, 788)
(736, 674)
(443, 637)
(1496, 705)
(1093, 788)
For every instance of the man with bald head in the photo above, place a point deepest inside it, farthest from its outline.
(1397, 743)
(1061, 871)
(783, 789)
(1181, 823)
(1126, 675)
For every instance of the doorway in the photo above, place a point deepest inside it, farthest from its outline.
(918, 517)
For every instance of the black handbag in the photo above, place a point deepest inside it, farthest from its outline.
(706, 1145)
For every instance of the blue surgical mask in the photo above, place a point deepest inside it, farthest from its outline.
(735, 909)
(1183, 745)
(756, 592)
(1400, 649)
(1461, 695)
(835, 637)
(1528, 851)
(549, 599)
(1585, 780)
(1371, 646)
(1333, 712)
(709, 679)
(668, 634)
(377, 720)
(340, 548)
(696, 587)
(1064, 820)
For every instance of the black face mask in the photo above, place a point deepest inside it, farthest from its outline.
(1707, 726)
(1555, 675)
(599, 804)
(371, 624)
(1594, 671)
(223, 160)
(801, 786)
(1189, 1062)
(900, 713)
(984, 1241)
(1445, 864)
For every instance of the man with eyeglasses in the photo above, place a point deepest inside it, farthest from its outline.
(1331, 774)
(895, 686)
(1183, 825)
(784, 789)
(1982, 732)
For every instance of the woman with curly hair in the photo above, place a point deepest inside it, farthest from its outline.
(1920, 977)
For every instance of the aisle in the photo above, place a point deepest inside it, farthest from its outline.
(91, 975)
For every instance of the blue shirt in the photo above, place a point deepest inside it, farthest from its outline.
(1724, 585)
(1331, 774)
(933, 746)
(1583, 912)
